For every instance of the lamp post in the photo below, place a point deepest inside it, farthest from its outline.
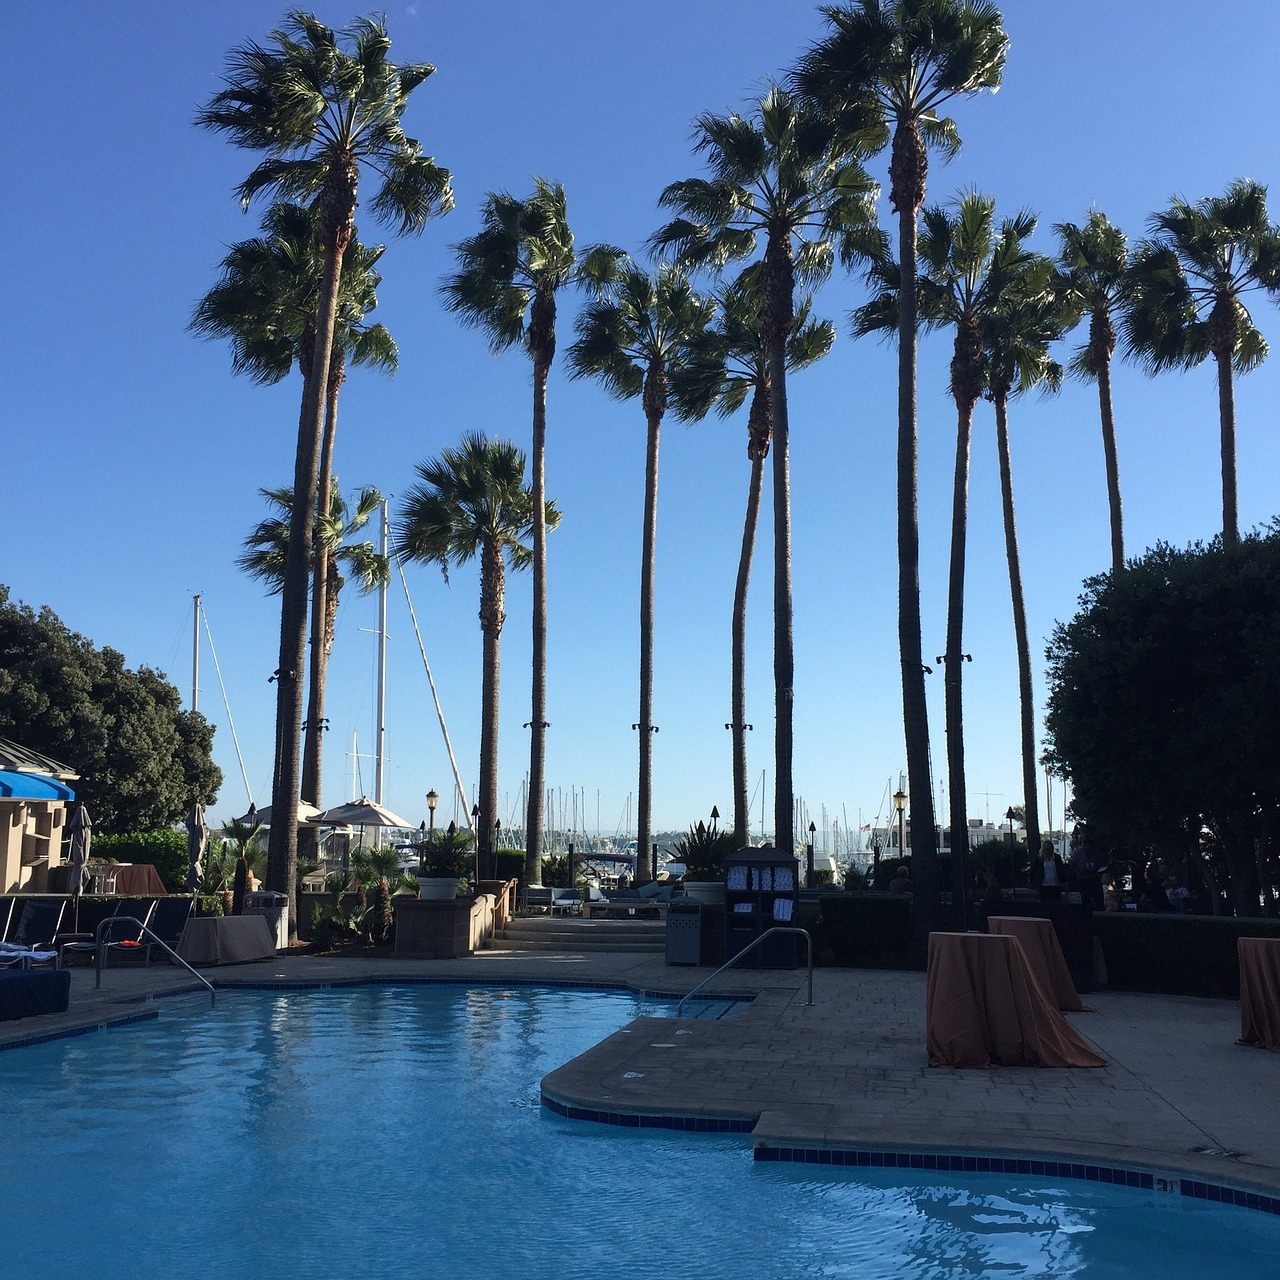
(497, 841)
(808, 869)
(479, 835)
(432, 800)
(900, 805)
(1008, 838)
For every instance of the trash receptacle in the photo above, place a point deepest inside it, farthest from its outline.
(684, 933)
(275, 906)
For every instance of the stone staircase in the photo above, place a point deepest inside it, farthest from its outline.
(574, 934)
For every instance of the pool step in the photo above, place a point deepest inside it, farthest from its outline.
(560, 933)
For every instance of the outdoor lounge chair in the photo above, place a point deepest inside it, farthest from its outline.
(33, 935)
(122, 937)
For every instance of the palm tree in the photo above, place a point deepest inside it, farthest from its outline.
(1184, 301)
(265, 304)
(965, 261)
(631, 336)
(1092, 265)
(906, 59)
(777, 176)
(320, 112)
(1016, 332)
(473, 502)
(727, 363)
(266, 550)
(508, 276)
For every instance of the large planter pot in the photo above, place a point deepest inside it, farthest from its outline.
(438, 888)
(708, 892)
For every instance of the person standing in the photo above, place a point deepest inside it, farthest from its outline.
(1048, 873)
(1087, 869)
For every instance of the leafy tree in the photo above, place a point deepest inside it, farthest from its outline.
(142, 760)
(472, 502)
(729, 362)
(1092, 265)
(1185, 300)
(265, 304)
(906, 59)
(965, 260)
(508, 276)
(1016, 332)
(632, 336)
(1162, 692)
(776, 176)
(321, 112)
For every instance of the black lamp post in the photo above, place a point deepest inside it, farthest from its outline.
(479, 835)
(497, 841)
(808, 870)
(432, 800)
(900, 805)
(1008, 836)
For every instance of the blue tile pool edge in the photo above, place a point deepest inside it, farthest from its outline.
(1024, 1166)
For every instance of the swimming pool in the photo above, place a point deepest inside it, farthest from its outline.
(397, 1131)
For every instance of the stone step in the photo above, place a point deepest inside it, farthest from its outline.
(545, 933)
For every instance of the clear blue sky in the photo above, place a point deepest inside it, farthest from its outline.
(133, 456)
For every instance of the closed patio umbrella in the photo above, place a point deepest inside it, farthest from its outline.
(80, 829)
(197, 836)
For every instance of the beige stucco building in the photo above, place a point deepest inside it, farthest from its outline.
(35, 803)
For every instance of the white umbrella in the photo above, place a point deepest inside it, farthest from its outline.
(359, 813)
(197, 836)
(305, 813)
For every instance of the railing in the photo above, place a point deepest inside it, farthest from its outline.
(751, 946)
(100, 951)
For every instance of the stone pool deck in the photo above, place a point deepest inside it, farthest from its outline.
(1178, 1094)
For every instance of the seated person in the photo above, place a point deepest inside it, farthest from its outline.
(901, 883)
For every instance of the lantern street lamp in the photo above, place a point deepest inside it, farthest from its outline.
(433, 799)
(900, 804)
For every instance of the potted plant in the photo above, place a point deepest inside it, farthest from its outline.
(703, 853)
(443, 861)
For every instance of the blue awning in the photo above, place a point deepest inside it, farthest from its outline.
(32, 786)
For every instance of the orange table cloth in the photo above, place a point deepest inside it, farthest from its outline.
(984, 1007)
(1044, 954)
(1259, 991)
(137, 880)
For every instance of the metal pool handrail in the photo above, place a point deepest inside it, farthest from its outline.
(100, 952)
(755, 942)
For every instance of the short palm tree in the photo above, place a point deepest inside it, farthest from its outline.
(728, 363)
(632, 335)
(906, 59)
(266, 550)
(965, 263)
(776, 176)
(472, 502)
(265, 304)
(1184, 301)
(1017, 331)
(508, 276)
(1092, 265)
(321, 106)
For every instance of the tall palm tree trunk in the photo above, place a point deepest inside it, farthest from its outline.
(492, 616)
(907, 174)
(1227, 416)
(1112, 460)
(542, 343)
(313, 743)
(954, 676)
(741, 804)
(1030, 795)
(779, 313)
(646, 729)
(282, 849)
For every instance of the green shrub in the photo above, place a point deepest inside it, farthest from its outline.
(511, 864)
(858, 929)
(1176, 955)
(165, 850)
(555, 872)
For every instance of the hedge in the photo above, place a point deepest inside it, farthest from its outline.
(1176, 954)
(165, 850)
(862, 929)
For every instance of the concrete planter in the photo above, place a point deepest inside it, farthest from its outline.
(708, 892)
(438, 888)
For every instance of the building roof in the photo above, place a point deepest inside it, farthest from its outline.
(19, 759)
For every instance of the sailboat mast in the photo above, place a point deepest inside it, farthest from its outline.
(195, 657)
(382, 666)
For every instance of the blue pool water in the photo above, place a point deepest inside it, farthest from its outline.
(397, 1132)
